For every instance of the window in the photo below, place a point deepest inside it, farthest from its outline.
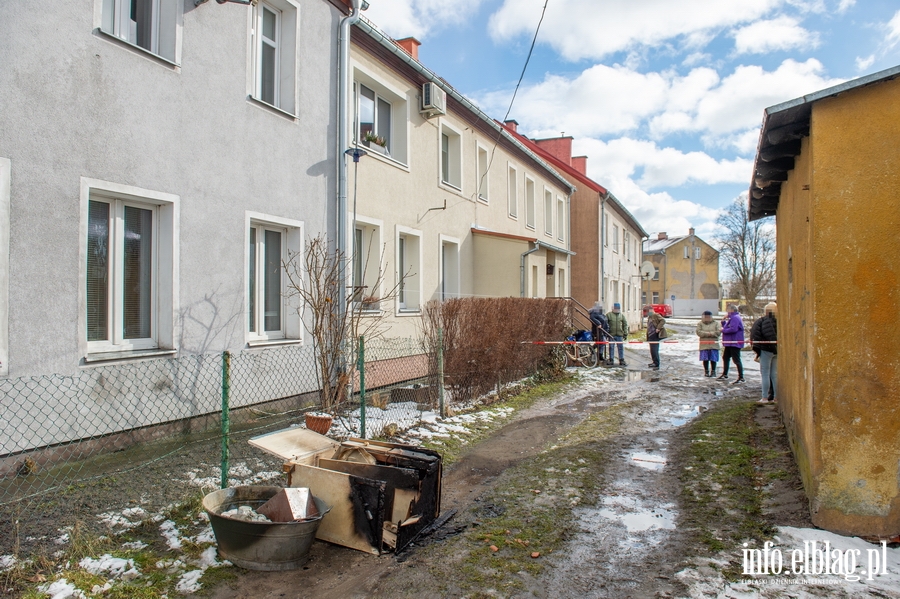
(129, 268)
(482, 184)
(697, 253)
(529, 203)
(148, 24)
(367, 265)
(270, 242)
(534, 280)
(381, 117)
(409, 289)
(656, 297)
(644, 298)
(451, 157)
(626, 245)
(375, 115)
(615, 239)
(548, 212)
(5, 170)
(512, 193)
(606, 237)
(562, 283)
(656, 274)
(274, 54)
(560, 218)
(449, 268)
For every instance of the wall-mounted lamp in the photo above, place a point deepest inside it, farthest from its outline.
(356, 153)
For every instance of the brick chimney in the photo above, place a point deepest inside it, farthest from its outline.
(410, 45)
(559, 147)
(691, 231)
(512, 125)
(661, 236)
(579, 163)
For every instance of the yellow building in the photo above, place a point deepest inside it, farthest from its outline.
(828, 168)
(686, 276)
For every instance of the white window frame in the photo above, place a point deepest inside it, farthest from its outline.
(560, 218)
(697, 252)
(530, 203)
(165, 270)
(286, 98)
(512, 191)
(408, 270)
(166, 26)
(370, 267)
(292, 242)
(397, 151)
(548, 212)
(482, 173)
(687, 252)
(5, 178)
(454, 164)
(615, 239)
(626, 246)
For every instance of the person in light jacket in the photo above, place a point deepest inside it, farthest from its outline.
(709, 332)
(732, 341)
(618, 328)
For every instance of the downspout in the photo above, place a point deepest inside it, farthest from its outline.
(522, 269)
(603, 200)
(344, 86)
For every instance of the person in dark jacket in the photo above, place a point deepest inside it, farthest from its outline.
(599, 327)
(764, 337)
(732, 341)
(656, 330)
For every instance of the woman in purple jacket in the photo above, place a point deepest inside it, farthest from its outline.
(733, 341)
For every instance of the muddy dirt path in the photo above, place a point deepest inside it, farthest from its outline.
(625, 542)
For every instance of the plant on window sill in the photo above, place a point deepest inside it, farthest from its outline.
(371, 302)
(376, 143)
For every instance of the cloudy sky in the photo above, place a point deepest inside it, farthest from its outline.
(665, 98)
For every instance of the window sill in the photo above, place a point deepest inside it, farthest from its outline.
(257, 343)
(127, 356)
(273, 109)
(156, 57)
(451, 187)
(409, 312)
(483, 199)
(386, 158)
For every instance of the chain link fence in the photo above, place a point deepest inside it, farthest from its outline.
(115, 445)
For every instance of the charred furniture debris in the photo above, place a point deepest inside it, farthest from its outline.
(382, 495)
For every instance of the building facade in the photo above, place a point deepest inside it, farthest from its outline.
(606, 237)
(447, 203)
(158, 162)
(828, 168)
(686, 275)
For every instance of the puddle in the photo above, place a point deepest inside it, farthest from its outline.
(684, 415)
(649, 461)
(637, 519)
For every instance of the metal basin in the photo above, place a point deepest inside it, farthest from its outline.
(260, 545)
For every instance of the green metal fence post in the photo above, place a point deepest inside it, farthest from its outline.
(440, 366)
(226, 391)
(361, 366)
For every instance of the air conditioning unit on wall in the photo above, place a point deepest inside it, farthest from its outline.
(434, 100)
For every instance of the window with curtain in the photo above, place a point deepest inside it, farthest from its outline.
(266, 280)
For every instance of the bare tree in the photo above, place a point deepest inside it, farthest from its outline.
(315, 277)
(748, 249)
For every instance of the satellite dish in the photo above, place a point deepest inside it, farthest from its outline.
(647, 269)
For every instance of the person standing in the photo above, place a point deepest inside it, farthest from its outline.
(709, 332)
(599, 328)
(732, 341)
(656, 330)
(618, 329)
(764, 338)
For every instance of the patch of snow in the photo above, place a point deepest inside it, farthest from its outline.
(208, 559)
(115, 567)
(136, 545)
(7, 562)
(169, 531)
(61, 589)
(189, 582)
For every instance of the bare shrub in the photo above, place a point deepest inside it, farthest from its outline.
(482, 339)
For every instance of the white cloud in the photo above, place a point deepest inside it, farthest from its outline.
(781, 33)
(407, 18)
(864, 63)
(579, 29)
(605, 100)
(845, 5)
(893, 30)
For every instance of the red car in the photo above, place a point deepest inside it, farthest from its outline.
(664, 310)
